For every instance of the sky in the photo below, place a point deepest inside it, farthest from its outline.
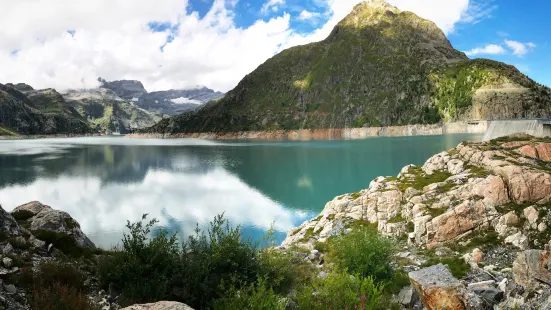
(173, 44)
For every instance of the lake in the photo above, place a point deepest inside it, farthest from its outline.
(105, 181)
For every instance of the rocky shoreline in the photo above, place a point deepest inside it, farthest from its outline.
(330, 134)
(485, 205)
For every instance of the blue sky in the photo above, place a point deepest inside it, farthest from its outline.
(183, 43)
(522, 21)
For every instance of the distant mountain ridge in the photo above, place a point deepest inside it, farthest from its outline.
(20, 113)
(115, 107)
(378, 67)
(169, 102)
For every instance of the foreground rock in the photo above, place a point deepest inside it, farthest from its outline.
(438, 288)
(161, 305)
(43, 218)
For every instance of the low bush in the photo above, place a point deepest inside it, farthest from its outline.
(59, 297)
(364, 252)
(256, 296)
(210, 265)
(142, 270)
(340, 290)
(54, 285)
(22, 215)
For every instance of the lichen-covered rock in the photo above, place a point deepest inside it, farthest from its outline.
(438, 288)
(161, 305)
(530, 268)
(44, 218)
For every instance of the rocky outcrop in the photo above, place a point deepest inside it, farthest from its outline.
(438, 288)
(161, 305)
(487, 204)
(474, 188)
(43, 218)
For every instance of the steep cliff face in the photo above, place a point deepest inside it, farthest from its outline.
(378, 67)
(33, 114)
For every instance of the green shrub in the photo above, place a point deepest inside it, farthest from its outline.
(257, 296)
(18, 243)
(284, 269)
(207, 267)
(22, 215)
(340, 290)
(364, 252)
(214, 262)
(143, 269)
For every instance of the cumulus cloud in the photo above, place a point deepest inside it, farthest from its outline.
(70, 43)
(518, 48)
(490, 49)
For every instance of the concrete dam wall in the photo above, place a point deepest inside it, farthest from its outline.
(501, 128)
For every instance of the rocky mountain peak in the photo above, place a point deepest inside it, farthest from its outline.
(375, 4)
(126, 89)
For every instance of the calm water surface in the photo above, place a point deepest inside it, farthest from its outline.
(103, 182)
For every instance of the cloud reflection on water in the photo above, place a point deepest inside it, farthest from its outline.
(185, 199)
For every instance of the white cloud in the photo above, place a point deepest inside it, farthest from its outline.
(490, 49)
(112, 40)
(305, 15)
(274, 5)
(183, 100)
(520, 49)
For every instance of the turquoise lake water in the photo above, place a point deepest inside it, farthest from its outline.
(105, 181)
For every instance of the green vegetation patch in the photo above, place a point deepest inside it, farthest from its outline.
(7, 132)
(22, 215)
(477, 171)
(457, 265)
(397, 219)
(421, 179)
(18, 243)
(54, 285)
(482, 240)
(435, 212)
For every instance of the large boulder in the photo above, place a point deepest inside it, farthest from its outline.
(161, 305)
(438, 288)
(450, 225)
(44, 218)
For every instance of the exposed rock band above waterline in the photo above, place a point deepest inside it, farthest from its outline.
(476, 127)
